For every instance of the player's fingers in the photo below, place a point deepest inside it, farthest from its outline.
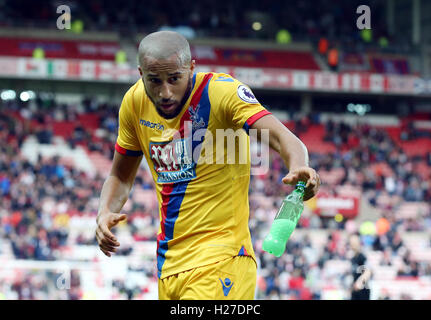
(107, 248)
(107, 233)
(308, 194)
(290, 178)
(308, 175)
(313, 189)
(97, 236)
(102, 239)
(106, 243)
(115, 219)
(311, 181)
(104, 249)
(120, 217)
(299, 174)
(106, 253)
(319, 181)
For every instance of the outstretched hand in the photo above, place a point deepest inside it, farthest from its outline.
(108, 243)
(309, 176)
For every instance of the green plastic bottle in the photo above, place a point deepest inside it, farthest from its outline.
(285, 221)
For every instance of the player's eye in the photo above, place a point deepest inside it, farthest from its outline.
(155, 80)
(173, 79)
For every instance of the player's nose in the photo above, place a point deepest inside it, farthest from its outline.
(165, 92)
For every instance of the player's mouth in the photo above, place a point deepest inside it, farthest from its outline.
(168, 107)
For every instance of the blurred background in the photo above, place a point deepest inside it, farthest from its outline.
(359, 99)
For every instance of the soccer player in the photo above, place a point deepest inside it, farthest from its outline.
(171, 116)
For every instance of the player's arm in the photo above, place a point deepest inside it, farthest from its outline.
(116, 189)
(292, 151)
(115, 192)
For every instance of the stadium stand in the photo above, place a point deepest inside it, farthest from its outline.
(53, 202)
(55, 153)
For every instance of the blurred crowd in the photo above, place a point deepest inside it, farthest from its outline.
(39, 285)
(39, 198)
(302, 274)
(362, 146)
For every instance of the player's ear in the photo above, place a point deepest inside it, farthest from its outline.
(140, 70)
(192, 67)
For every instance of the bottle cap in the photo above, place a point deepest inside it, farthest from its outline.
(300, 184)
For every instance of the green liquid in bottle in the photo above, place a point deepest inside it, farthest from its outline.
(275, 242)
(285, 222)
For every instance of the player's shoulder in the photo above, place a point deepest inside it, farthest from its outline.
(134, 94)
(217, 81)
(224, 85)
(136, 89)
(223, 80)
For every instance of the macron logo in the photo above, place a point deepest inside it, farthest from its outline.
(152, 125)
(227, 285)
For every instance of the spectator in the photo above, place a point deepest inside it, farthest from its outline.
(40, 232)
(360, 271)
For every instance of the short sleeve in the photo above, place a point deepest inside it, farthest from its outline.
(127, 140)
(240, 105)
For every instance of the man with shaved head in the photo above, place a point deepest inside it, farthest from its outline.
(171, 115)
(161, 51)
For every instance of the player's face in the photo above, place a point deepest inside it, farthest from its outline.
(167, 84)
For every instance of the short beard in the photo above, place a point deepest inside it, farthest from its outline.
(179, 108)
